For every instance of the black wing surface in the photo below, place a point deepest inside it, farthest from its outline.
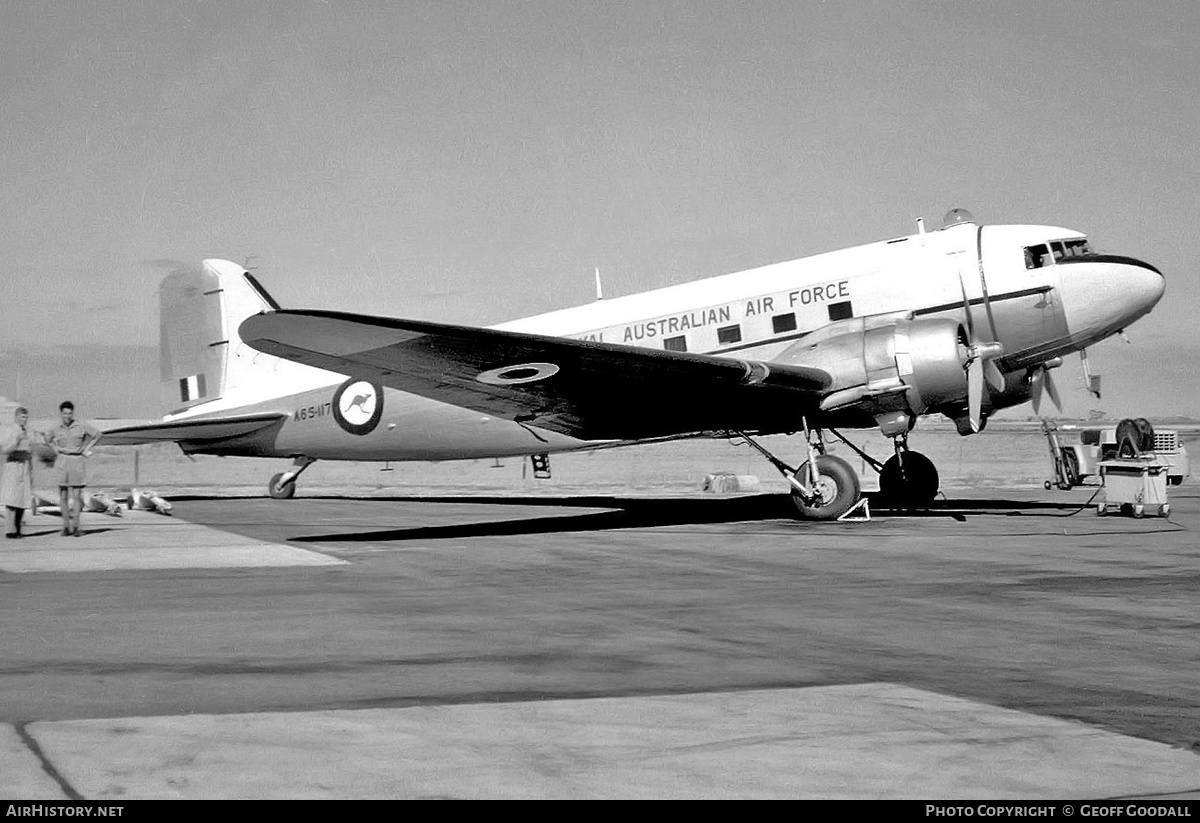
(586, 389)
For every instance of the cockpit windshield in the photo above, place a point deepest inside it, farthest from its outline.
(1070, 248)
(1045, 254)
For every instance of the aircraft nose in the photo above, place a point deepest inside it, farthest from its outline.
(1144, 283)
(1107, 292)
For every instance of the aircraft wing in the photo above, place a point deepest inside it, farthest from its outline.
(192, 430)
(582, 388)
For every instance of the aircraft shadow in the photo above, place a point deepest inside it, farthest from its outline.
(641, 513)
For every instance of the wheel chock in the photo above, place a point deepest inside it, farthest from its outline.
(860, 512)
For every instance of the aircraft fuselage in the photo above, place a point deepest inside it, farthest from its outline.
(1038, 291)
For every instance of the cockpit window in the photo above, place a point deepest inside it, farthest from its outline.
(1044, 254)
(1036, 256)
(1077, 248)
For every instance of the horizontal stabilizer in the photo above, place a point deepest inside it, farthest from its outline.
(207, 429)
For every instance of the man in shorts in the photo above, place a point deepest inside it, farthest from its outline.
(74, 441)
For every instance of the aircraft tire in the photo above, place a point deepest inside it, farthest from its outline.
(1070, 468)
(285, 491)
(917, 484)
(839, 486)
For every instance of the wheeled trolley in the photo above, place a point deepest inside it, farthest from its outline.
(1135, 485)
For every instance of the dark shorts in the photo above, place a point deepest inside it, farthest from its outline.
(71, 471)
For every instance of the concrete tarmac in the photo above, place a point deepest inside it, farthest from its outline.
(1007, 644)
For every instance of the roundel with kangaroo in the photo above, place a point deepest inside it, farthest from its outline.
(358, 406)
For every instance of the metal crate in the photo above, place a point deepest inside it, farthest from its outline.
(1136, 486)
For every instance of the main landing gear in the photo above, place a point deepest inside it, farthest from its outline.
(824, 487)
(908, 477)
(283, 485)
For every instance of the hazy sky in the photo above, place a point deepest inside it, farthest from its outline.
(472, 162)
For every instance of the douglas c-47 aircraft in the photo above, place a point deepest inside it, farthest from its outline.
(961, 321)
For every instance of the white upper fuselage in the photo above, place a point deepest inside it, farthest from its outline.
(918, 273)
(1038, 299)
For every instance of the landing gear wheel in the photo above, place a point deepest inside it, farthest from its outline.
(281, 491)
(838, 490)
(1070, 468)
(915, 484)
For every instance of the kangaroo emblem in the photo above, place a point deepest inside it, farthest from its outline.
(359, 400)
(358, 406)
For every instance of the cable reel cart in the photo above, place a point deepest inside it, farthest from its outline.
(1135, 481)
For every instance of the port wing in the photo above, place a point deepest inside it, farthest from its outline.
(582, 388)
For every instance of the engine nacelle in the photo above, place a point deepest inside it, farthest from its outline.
(891, 365)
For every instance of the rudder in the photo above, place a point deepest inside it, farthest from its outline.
(202, 357)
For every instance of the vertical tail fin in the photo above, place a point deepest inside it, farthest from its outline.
(202, 357)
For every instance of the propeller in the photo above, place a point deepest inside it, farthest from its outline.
(1039, 381)
(981, 355)
(981, 367)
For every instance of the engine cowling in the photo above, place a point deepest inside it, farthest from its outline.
(896, 365)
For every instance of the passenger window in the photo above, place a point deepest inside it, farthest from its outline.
(841, 311)
(675, 343)
(729, 334)
(783, 322)
(1036, 256)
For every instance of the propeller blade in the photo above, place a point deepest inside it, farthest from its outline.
(1052, 391)
(995, 377)
(980, 368)
(1041, 382)
(975, 393)
(967, 308)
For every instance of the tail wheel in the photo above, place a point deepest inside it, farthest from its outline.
(837, 490)
(281, 491)
(913, 482)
